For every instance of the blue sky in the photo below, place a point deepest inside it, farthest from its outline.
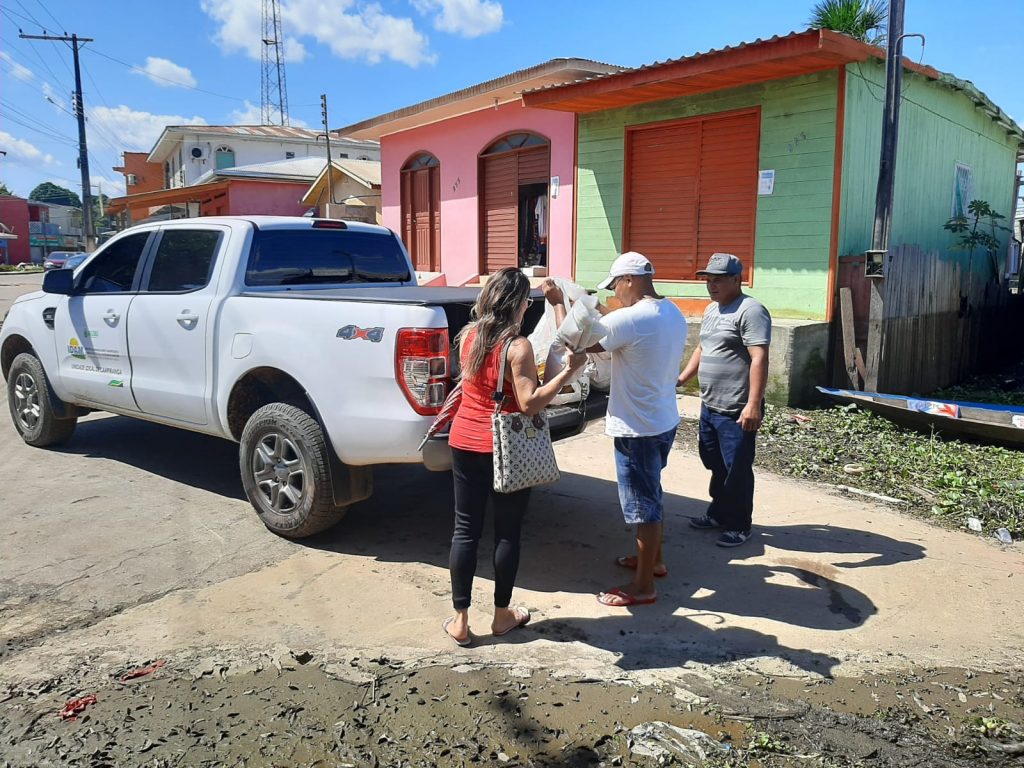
(154, 63)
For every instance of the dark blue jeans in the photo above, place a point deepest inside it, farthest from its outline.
(728, 452)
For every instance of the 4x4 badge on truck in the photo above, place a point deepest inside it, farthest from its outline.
(350, 332)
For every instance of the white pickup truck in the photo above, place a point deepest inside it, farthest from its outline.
(307, 341)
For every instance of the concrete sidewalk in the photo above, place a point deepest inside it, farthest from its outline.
(826, 585)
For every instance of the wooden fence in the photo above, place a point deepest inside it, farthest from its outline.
(938, 312)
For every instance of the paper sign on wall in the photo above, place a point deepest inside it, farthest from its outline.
(554, 186)
(765, 182)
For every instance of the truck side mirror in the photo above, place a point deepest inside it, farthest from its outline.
(60, 281)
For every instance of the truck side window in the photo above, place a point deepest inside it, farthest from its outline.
(184, 260)
(323, 256)
(113, 270)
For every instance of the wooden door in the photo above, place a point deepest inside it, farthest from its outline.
(499, 213)
(435, 217)
(421, 217)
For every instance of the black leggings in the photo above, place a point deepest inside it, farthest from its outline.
(474, 478)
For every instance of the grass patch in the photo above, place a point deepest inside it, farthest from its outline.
(19, 269)
(946, 480)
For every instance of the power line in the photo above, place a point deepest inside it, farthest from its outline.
(40, 2)
(178, 83)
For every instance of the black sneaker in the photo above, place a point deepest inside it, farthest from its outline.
(732, 538)
(705, 523)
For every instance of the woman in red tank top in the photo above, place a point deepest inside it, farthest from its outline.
(497, 317)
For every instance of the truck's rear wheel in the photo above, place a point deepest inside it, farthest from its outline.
(28, 395)
(285, 467)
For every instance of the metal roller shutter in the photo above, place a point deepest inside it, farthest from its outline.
(533, 165)
(691, 191)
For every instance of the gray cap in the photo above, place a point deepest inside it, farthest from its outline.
(722, 264)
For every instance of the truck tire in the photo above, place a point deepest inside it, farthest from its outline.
(285, 465)
(28, 396)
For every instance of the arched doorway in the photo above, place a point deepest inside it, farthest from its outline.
(514, 173)
(421, 211)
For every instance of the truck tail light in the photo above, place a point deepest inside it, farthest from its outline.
(421, 367)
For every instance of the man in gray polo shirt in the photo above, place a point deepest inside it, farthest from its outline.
(731, 363)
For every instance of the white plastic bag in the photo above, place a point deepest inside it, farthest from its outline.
(550, 349)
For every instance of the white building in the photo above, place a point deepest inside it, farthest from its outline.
(189, 151)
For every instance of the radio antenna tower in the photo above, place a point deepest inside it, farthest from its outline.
(275, 89)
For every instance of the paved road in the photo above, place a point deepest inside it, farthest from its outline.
(135, 541)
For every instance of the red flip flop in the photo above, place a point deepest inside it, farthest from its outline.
(629, 561)
(625, 599)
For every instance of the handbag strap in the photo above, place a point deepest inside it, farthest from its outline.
(499, 393)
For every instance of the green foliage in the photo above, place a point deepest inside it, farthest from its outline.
(946, 480)
(765, 742)
(5, 191)
(47, 192)
(971, 236)
(861, 19)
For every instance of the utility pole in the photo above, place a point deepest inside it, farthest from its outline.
(83, 149)
(878, 254)
(330, 164)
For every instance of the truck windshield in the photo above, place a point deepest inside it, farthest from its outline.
(310, 256)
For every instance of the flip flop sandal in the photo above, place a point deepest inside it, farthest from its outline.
(522, 622)
(624, 599)
(629, 561)
(464, 643)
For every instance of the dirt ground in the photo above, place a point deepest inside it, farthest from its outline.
(842, 634)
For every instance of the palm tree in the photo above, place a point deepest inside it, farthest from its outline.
(861, 19)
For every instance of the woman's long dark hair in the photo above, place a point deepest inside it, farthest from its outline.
(495, 316)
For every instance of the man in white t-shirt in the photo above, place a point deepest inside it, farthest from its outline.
(646, 337)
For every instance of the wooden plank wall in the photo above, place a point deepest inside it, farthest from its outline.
(935, 313)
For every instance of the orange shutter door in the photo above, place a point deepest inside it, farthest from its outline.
(661, 220)
(500, 208)
(728, 187)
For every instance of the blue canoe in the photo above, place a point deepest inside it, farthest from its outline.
(978, 422)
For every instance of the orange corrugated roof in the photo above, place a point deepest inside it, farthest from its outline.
(791, 55)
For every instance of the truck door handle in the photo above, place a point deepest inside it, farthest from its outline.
(187, 320)
(110, 317)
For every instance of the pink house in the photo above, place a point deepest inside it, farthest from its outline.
(474, 181)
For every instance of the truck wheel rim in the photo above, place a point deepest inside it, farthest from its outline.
(26, 402)
(279, 473)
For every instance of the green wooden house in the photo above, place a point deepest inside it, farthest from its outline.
(770, 150)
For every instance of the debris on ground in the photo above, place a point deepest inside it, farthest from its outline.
(381, 712)
(74, 707)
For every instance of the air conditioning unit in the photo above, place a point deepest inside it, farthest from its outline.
(131, 179)
(198, 152)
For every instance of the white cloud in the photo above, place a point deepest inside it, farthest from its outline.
(167, 74)
(18, 72)
(352, 31)
(252, 114)
(137, 131)
(468, 18)
(21, 151)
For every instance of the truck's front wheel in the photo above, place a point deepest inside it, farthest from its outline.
(286, 473)
(28, 395)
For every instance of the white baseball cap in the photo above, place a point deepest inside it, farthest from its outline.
(629, 263)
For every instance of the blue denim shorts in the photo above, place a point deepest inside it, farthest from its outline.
(638, 465)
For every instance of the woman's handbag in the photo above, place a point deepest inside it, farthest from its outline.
(523, 456)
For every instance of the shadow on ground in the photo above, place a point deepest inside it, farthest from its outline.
(572, 535)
